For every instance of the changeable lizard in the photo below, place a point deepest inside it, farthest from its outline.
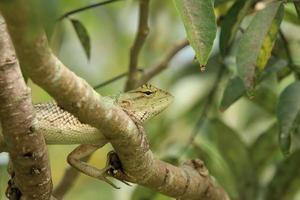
(60, 127)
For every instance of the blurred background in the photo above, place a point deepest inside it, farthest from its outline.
(226, 140)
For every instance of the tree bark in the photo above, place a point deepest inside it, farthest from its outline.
(31, 177)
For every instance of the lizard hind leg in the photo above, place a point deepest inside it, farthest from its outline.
(82, 151)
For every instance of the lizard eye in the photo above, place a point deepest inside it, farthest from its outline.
(148, 93)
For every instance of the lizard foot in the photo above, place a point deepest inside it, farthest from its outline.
(113, 169)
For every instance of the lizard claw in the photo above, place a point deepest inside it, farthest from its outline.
(103, 177)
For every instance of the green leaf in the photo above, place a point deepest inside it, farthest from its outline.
(200, 24)
(231, 23)
(291, 16)
(234, 90)
(83, 36)
(257, 42)
(235, 153)
(286, 180)
(266, 98)
(297, 6)
(144, 193)
(288, 114)
(216, 165)
(265, 149)
(141, 192)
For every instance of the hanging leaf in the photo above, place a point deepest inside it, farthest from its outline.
(265, 148)
(216, 165)
(266, 98)
(231, 23)
(297, 6)
(288, 114)
(235, 153)
(83, 36)
(285, 183)
(234, 90)
(200, 24)
(257, 42)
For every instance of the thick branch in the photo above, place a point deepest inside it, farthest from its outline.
(26, 147)
(163, 64)
(76, 96)
(139, 41)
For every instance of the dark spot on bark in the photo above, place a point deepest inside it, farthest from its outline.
(32, 129)
(28, 155)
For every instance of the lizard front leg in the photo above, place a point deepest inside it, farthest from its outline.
(82, 151)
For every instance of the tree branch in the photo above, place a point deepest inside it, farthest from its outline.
(163, 64)
(26, 146)
(139, 41)
(190, 181)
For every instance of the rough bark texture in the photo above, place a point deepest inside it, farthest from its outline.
(31, 171)
(77, 97)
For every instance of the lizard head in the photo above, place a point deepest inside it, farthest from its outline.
(145, 101)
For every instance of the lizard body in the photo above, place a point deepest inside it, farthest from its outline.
(60, 127)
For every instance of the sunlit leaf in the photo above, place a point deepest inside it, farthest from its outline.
(231, 23)
(235, 88)
(199, 21)
(286, 180)
(288, 114)
(265, 148)
(236, 154)
(269, 40)
(257, 42)
(83, 36)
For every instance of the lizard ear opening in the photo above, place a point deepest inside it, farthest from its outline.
(125, 104)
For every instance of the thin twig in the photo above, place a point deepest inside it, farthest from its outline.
(110, 80)
(113, 79)
(86, 8)
(139, 41)
(163, 64)
(291, 63)
(206, 107)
